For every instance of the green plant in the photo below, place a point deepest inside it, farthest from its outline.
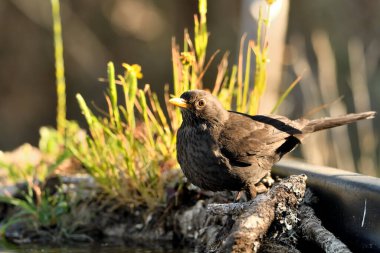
(23, 164)
(27, 163)
(129, 155)
(131, 150)
(59, 215)
(234, 89)
(37, 209)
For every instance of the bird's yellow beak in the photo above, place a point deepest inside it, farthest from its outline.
(179, 102)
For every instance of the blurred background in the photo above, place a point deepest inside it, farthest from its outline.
(334, 45)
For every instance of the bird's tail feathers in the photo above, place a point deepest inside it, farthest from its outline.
(330, 122)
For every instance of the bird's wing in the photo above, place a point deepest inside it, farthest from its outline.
(244, 138)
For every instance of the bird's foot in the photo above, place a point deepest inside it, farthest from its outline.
(268, 181)
(253, 190)
(261, 188)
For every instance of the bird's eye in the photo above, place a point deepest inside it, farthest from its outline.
(201, 103)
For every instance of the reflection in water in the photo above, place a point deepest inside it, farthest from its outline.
(6, 247)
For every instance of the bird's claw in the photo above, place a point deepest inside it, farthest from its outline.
(268, 180)
(261, 188)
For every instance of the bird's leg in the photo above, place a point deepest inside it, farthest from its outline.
(238, 196)
(241, 196)
(251, 191)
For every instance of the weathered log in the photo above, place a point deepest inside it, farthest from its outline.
(228, 209)
(254, 218)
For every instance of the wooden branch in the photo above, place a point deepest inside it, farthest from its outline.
(256, 216)
(227, 209)
(312, 230)
(251, 226)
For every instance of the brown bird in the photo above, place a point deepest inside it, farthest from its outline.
(226, 150)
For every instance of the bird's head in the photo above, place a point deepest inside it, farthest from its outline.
(199, 106)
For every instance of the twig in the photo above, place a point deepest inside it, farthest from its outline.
(311, 229)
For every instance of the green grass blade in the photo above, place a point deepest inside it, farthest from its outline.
(115, 117)
(85, 110)
(59, 67)
(285, 94)
(246, 79)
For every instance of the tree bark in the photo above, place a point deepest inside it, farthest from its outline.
(253, 218)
